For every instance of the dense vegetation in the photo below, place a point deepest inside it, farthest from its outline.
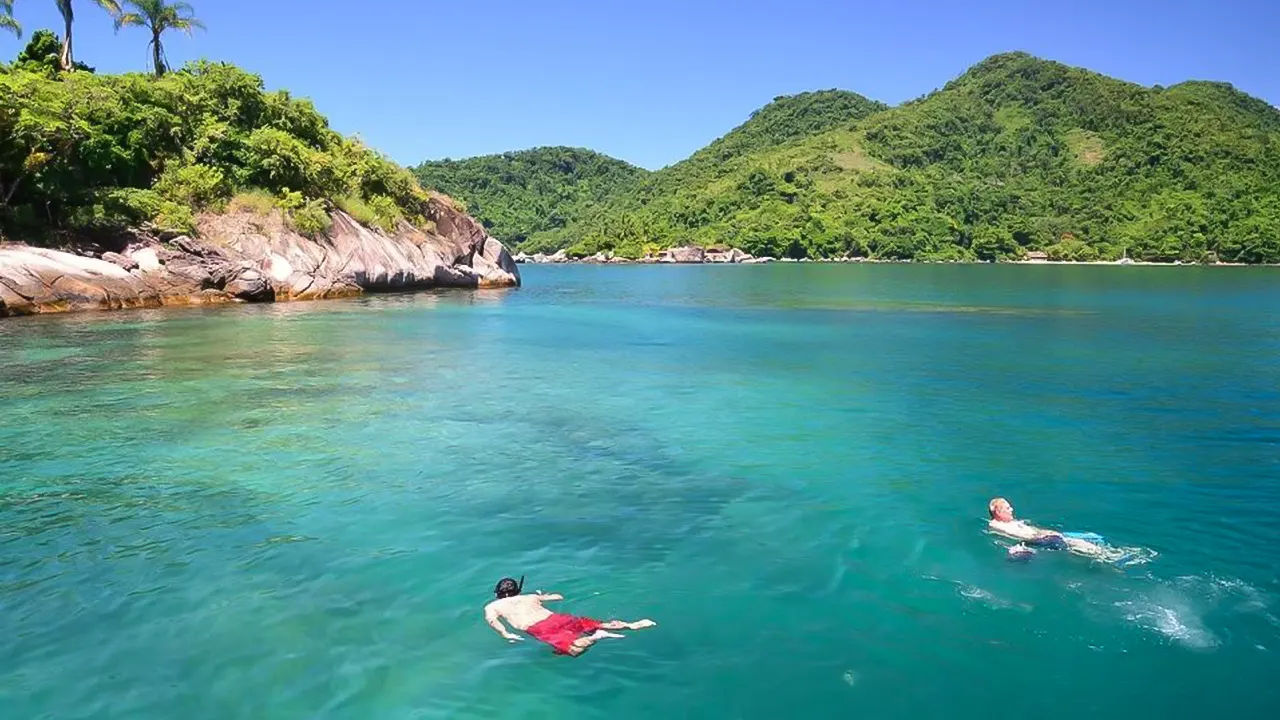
(1017, 154)
(81, 153)
(517, 194)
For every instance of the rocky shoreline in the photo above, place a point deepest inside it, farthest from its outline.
(687, 255)
(695, 256)
(244, 257)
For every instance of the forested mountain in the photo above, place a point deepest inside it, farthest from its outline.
(517, 194)
(1017, 154)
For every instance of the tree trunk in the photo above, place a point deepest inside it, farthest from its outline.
(13, 190)
(65, 59)
(157, 54)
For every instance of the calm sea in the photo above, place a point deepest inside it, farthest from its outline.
(298, 511)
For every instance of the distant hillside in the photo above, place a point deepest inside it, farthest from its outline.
(629, 222)
(517, 194)
(1017, 154)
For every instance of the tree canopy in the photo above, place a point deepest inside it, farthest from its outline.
(81, 153)
(1017, 154)
(518, 194)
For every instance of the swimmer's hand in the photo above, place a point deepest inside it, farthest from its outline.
(512, 637)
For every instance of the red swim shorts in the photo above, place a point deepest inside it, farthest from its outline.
(559, 631)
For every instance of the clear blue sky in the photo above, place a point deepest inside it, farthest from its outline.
(652, 81)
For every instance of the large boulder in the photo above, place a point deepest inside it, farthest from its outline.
(37, 280)
(686, 254)
(241, 257)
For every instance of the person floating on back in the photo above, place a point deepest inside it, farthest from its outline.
(569, 635)
(1003, 522)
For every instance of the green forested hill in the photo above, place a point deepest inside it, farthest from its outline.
(1016, 154)
(84, 154)
(517, 194)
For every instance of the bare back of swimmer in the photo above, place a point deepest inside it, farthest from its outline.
(566, 634)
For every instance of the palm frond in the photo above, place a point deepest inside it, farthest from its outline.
(124, 20)
(187, 25)
(111, 6)
(8, 23)
(6, 18)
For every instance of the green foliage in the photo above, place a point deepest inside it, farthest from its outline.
(254, 201)
(310, 219)
(994, 243)
(358, 209)
(386, 215)
(1017, 154)
(197, 186)
(95, 151)
(42, 54)
(145, 208)
(518, 194)
(378, 211)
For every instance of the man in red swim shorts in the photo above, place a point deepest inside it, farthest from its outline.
(569, 635)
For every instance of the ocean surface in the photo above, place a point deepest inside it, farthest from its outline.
(299, 511)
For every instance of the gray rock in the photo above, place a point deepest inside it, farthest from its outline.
(686, 254)
(246, 258)
(127, 263)
(250, 286)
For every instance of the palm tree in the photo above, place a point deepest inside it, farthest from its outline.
(6, 18)
(159, 16)
(68, 16)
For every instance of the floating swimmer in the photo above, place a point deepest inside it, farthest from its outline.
(1003, 522)
(567, 634)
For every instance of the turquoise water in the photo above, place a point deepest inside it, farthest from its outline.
(298, 511)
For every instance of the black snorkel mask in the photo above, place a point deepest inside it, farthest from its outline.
(507, 587)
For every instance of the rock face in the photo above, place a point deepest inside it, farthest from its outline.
(732, 255)
(692, 255)
(688, 254)
(249, 258)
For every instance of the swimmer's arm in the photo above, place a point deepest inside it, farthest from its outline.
(494, 619)
(548, 597)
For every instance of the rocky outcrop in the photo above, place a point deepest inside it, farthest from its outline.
(732, 255)
(687, 254)
(249, 258)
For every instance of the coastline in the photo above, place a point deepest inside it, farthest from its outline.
(248, 258)
(682, 256)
